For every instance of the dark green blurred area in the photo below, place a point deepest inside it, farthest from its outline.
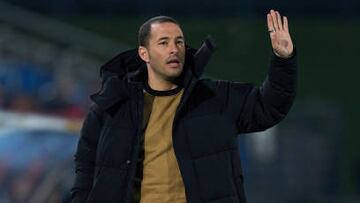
(328, 59)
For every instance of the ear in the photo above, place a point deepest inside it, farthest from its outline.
(143, 53)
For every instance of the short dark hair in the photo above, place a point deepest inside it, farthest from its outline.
(145, 29)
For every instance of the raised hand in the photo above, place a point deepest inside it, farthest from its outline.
(279, 34)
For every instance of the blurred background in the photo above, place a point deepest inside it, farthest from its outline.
(51, 51)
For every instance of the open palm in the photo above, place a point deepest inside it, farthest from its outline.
(279, 34)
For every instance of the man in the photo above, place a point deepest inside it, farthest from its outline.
(158, 132)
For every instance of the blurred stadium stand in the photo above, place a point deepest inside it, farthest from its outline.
(36, 157)
(44, 70)
(46, 67)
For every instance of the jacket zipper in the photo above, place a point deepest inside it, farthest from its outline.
(175, 121)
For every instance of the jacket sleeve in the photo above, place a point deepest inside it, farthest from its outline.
(85, 155)
(258, 108)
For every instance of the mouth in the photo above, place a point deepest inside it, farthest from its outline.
(173, 61)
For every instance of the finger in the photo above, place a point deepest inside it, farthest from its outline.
(273, 17)
(278, 18)
(286, 25)
(270, 23)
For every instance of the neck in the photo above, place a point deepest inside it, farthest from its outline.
(160, 85)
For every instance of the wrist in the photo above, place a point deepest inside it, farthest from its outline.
(284, 56)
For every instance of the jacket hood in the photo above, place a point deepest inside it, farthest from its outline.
(129, 67)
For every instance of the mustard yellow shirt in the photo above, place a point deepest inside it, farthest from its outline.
(162, 181)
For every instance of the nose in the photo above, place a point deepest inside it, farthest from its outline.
(174, 49)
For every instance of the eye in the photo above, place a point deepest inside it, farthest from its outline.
(163, 43)
(180, 42)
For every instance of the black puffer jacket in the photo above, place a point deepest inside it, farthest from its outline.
(210, 116)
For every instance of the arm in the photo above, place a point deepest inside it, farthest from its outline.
(85, 155)
(258, 108)
(267, 105)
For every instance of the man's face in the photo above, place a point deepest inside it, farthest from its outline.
(165, 51)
